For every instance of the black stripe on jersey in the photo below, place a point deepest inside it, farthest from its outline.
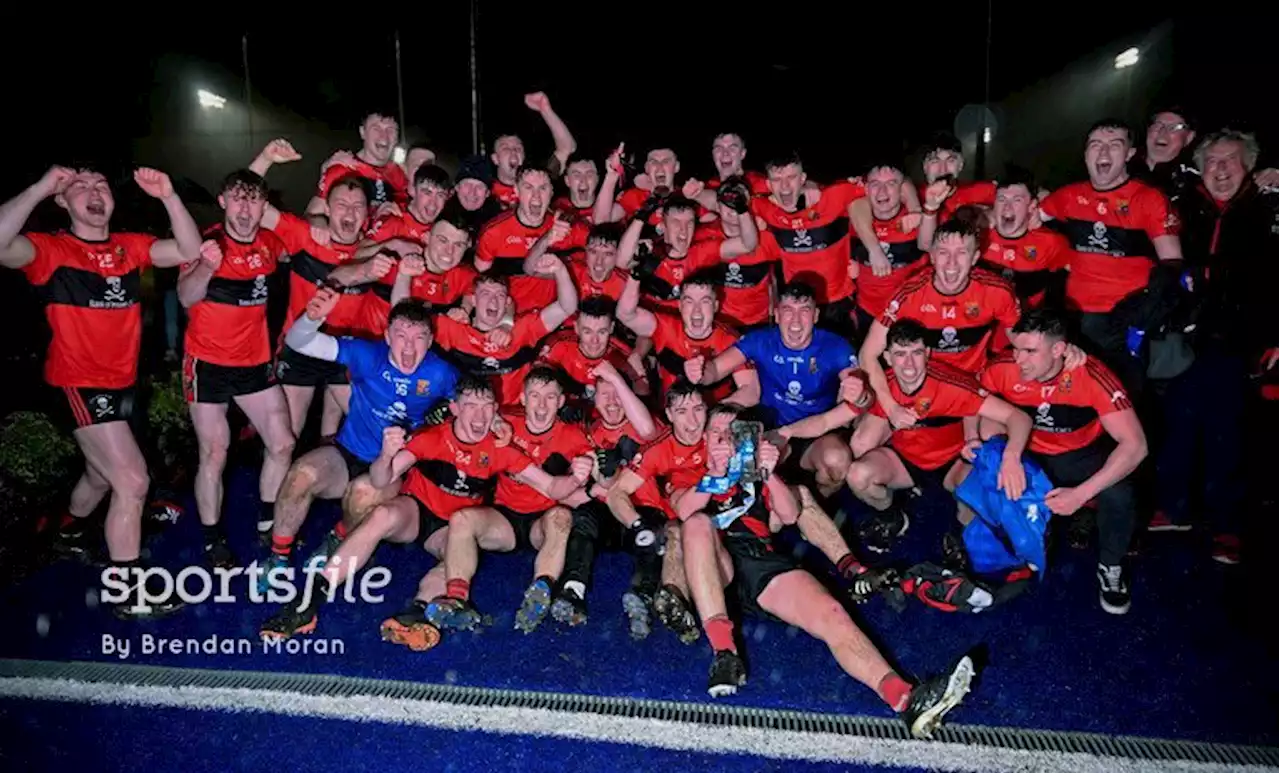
(1111, 240)
(90, 290)
(556, 464)
(507, 267)
(1059, 419)
(743, 277)
(671, 362)
(654, 286)
(314, 271)
(1028, 284)
(238, 292)
(933, 421)
(900, 254)
(802, 240)
(481, 365)
(950, 340)
(451, 480)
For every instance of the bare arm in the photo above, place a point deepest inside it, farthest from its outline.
(566, 304)
(1168, 247)
(1130, 450)
(557, 487)
(781, 499)
(820, 424)
(618, 499)
(1017, 424)
(726, 362)
(560, 134)
(606, 210)
(869, 359)
(193, 284)
(184, 247)
(634, 409)
(747, 392)
(384, 469)
(17, 250)
(627, 245)
(745, 242)
(642, 322)
(689, 501)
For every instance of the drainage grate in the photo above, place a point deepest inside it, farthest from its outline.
(1121, 747)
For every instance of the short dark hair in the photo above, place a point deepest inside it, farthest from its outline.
(943, 141)
(905, 332)
(350, 182)
(244, 180)
(598, 306)
(1048, 322)
(886, 163)
(682, 388)
(678, 203)
(608, 233)
(526, 169)
(797, 290)
(542, 373)
(741, 139)
(1017, 175)
(380, 113)
(723, 409)
(578, 157)
(705, 278)
(1118, 124)
(955, 227)
(413, 310)
(453, 214)
(1177, 109)
(489, 278)
(474, 385)
(783, 161)
(434, 174)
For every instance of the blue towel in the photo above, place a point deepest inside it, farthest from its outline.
(1006, 534)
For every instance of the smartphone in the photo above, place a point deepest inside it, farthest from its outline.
(747, 436)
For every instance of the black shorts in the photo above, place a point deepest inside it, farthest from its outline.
(207, 382)
(521, 524)
(837, 316)
(428, 522)
(81, 407)
(293, 369)
(755, 563)
(923, 479)
(790, 470)
(355, 465)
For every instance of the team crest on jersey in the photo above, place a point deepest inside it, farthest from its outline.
(1064, 383)
(424, 387)
(119, 251)
(1032, 253)
(924, 404)
(813, 365)
(972, 310)
(1122, 206)
(814, 214)
(484, 459)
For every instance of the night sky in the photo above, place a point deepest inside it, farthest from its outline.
(841, 85)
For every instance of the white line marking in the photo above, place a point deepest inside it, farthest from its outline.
(593, 727)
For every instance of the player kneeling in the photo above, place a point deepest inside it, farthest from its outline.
(729, 522)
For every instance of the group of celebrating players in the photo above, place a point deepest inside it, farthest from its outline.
(504, 368)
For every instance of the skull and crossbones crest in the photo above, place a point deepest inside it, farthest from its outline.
(115, 292)
(1099, 237)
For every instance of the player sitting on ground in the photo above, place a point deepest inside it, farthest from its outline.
(394, 383)
(728, 536)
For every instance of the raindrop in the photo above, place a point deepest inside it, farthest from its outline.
(42, 625)
(92, 598)
(450, 677)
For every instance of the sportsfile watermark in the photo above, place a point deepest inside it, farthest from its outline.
(143, 587)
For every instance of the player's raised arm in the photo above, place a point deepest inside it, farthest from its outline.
(304, 337)
(17, 250)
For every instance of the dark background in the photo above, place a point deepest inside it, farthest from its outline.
(842, 85)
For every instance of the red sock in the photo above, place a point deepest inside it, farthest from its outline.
(720, 633)
(895, 691)
(848, 565)
(282, 546)
(458, 589)
(341, 530)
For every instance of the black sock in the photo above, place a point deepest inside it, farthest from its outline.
(212, 534)
(419, 605)
(319, 593)
(266, 516)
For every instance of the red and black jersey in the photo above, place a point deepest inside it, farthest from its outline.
(610, 288)
(574, 214)
(942, 401)
(309, 265)
(505, 242)
(742, 511)
(661, 290)
(442, 291)
(553, 451)
(505, 194)
(899, 245)
(606, 438)
(402, 226)
(965, 323)
(561, 349)
(815, 240)
(632, 199)
(757, 182)
(1111, 235)
(450, 474)
(387, 183)
(672, 346)
(470, 350)
(1029, 261)
(229, 326)
(1066, 410)
(378, 300)
(746, 282)
(671, 465)
(980, 192)
(91, 294)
